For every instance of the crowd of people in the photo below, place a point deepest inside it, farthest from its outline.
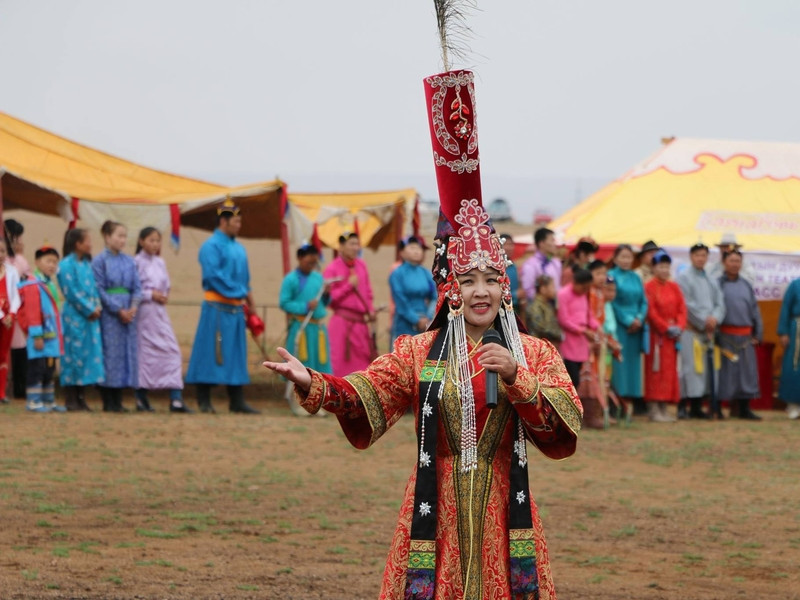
(633, 339)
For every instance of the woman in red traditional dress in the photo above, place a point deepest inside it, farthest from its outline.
(9, 305)
(666, 315)
(468, 527)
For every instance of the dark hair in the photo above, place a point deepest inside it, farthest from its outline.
(725, 255)
(44, 251)
(307, 249)
(697, 247)
(347, 235)
(622, 247)
(71, 238)
(585, 247)
(225, 215)
(580, 275)
(541, 235)
(143, 235)
(507, 237)
(109, 227)
(13, 229)
(542, 281)
(597, 264)
(661, 257)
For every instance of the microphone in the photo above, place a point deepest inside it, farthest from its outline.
(492, 337)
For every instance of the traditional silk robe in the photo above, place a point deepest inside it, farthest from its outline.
(629, 305)
(789, 324)
(472, 512)
(160, 359)
(40, 317)
(739, 380)
(665, 308)
(575, 317)
(9, 305)
(297, 290)
(82, 363)
(219, 353)
(537, 265)
(118, 285)
(352, 345)
(414, 296)
(542, 322)
(703, 299)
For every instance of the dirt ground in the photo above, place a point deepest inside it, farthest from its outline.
(273, 506)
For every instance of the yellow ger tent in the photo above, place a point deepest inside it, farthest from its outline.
(381, 216)
(694, 189)
(42, 172)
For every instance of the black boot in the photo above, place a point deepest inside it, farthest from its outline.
(204, 398)
(116, 395)
(142, 403)
(696, 409)
(71, 398)
(744, 410)
(81, 392)
(682, 412)
(639, 407)
(237, 403)
(105, 396)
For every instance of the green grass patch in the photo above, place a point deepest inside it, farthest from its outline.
(157, 533)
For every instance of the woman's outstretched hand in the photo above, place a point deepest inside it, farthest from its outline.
(292, 369)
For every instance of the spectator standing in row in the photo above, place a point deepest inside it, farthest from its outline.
(352, 343)
(645, 256)
(630, 309)
(706, 309)
(578, 323)
(120, 292)
(219, 353)
(543, 262)
(582, 256)
(739, 333)
(9, 305)
(15, 248)
(666, 316)
(540, 316)
(40, 319)
(789, 333)
(160, 363)
(82, 363)
(517, 293)
(413, 290)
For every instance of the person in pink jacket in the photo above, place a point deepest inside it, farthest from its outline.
(577, 322)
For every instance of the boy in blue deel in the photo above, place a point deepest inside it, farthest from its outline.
(40, 318)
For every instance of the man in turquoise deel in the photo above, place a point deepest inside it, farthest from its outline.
(219, 353)
(413, 290)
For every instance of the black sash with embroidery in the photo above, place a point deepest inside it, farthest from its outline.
(521, 543)
(421, 573)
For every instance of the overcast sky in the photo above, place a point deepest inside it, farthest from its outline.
(328, 95)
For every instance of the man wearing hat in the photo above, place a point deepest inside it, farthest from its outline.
(219, 353)
(413, 290)
(728, 243)
(706, 309)
(352, 343)
(645, 256)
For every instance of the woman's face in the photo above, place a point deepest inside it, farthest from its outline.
(661, 271)
(624, 259)
(116, 239)
(152, 243)
(481, 293)
(84, 246)
(18, 245)
(413, 253)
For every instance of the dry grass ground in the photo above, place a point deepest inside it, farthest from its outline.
(272, 506)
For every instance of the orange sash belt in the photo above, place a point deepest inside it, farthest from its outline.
(736, 330)
(213, 296)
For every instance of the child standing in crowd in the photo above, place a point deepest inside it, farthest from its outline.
(9, 305)
(82, 363)
(666, 314)
(540, 315)
(160, 360)
(40, 319)
(120, 293)
(19, 356)
(579, 324)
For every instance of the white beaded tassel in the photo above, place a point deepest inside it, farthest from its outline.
(511, 332)
(469, 438)
(427, 409)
